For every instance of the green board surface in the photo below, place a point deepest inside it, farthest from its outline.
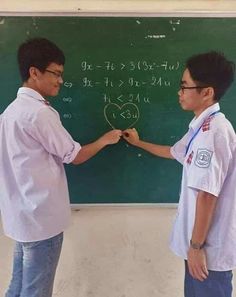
(121, 72)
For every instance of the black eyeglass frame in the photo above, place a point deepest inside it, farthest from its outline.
(194, 87)
(57, 75)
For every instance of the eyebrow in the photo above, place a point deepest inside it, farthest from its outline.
(58, 71)
(55, 70)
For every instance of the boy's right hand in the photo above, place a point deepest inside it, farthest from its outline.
(111, 137)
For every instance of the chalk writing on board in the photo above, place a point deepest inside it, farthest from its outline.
(140, 65)
(121, 98)
(107, 82)
(174, 23)
(122, 117)
(67, 116)
(68, 84)
(157, 36)
(67, 99)
(122, 84)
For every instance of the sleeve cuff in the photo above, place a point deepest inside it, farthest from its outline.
(176, 156)
(204, 188)
(71, 156)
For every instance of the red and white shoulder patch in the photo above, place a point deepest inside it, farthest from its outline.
(190, 158)
(206, 125)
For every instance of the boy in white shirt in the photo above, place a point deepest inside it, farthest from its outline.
(204, 230)
(34, 199)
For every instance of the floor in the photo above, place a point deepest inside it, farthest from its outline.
(112, 252)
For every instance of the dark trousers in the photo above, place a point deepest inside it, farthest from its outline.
(218, 284)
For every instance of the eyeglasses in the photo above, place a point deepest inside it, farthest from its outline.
(56, 74)
(182, 88)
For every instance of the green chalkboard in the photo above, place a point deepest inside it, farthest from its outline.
(121, 72)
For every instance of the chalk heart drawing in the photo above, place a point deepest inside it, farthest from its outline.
(121, 117)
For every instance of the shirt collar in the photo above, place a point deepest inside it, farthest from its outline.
(32, 93)
(196, 123)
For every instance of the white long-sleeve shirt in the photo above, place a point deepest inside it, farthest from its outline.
(34, 199)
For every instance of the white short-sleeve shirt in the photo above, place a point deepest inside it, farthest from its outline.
(34, 199)
(210, 166)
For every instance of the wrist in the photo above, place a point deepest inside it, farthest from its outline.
(139, 143)
(101, 142)
(196, 245)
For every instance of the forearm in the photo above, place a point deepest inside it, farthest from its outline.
(88, 151)
(205, 209)
(155, 149)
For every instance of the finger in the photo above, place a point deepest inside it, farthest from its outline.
(116, 133)
(204, 272)
(191, 271)
(199, 276)
(200, 273)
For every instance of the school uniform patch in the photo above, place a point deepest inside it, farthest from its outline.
(203, 158)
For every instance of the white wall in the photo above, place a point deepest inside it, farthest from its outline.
(113, 252)
(119, 5)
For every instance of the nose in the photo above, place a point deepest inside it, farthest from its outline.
(60, 80)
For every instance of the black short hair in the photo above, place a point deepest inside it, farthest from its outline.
(39, 53)
(212, 69)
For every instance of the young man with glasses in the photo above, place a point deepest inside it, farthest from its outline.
(34, 200)
(204, 230)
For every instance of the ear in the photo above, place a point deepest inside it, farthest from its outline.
(34, 73)
(209, 94)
